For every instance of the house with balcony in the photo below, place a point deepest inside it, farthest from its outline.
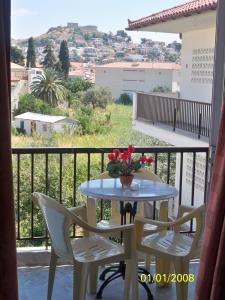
(186, 118)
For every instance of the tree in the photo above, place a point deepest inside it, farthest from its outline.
(121, 33)
(125, 99)
(64, 59)
(77, 85)
(49, 60)
(17, 56)
(28, 102)
(49, 87)
(97, 97)
(31, 57)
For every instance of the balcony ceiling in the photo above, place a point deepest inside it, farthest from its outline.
(184, 24)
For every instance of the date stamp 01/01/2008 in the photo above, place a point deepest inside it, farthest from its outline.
(168, 278)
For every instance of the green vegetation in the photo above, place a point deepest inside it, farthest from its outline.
(31, 57)
(96, 97)
(17, 56)
(49, 87)
(117, 132)
(77, 85)
(161, 89)
(64, 60)
(49, 60)
(28, 102)
(125, 99)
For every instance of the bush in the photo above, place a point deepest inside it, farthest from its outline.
(28, 102)
(77, 85)
(161, 89)
(96, 97)
(91, 122)
(125, 99)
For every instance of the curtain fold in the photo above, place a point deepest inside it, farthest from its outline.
(8, 271)
(211, 277)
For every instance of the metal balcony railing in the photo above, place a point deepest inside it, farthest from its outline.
(59, 171)
(191, 116)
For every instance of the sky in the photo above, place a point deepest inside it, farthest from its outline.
(32, 18)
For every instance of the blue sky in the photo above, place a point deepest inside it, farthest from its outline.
(31, 18)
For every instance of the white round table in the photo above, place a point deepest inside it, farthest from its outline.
(141, 190)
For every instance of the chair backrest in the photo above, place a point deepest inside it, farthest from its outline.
(142, 174)
(198, 215)
(58, 221)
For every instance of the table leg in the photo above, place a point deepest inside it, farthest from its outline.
(163, 266)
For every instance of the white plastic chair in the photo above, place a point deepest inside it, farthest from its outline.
(87, 252)
(172, 245)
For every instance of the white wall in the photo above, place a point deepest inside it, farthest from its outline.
(197, 65)
(59, 127)
(120, 80)
(19, 89)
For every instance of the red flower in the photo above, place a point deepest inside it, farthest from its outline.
(116, 152)
(111, 156)
(127, 153)
(123, 156)
(143, 159)
(131, 148)
(149, 160)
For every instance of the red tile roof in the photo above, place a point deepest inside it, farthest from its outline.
(186, 9)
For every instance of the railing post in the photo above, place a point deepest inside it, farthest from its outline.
(199, 125)
(174, 119)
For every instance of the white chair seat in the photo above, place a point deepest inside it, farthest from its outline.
(107, 224)
(169, 242)
(95, 248)
(149, 227)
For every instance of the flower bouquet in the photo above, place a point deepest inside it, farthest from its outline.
(125, 164)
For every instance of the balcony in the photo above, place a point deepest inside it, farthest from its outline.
(190, 118)
(58, 172)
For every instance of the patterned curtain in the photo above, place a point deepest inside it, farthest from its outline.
(211, 278)
(8, 272)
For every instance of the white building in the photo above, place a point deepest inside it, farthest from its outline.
(195, 21)
(128, 77)
(32, 122)
(19, 84)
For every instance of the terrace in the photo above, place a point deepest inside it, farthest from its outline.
(187, 117)
(58, 172)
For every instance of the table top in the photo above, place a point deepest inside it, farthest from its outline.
(141, 190)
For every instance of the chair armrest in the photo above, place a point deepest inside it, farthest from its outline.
(75, 212)
(153, 222)
(188, 217)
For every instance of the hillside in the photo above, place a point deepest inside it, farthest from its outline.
(75, 35)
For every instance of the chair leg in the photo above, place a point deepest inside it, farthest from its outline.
(181, 267)
(80, 276)
(51, 274)
(148, 261)
(92, 279)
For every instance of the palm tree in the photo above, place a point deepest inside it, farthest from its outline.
(49, 87)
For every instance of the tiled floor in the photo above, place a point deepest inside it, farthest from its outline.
(33, 286)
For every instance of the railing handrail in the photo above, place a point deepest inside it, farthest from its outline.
(67, 150)
(176, 99)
